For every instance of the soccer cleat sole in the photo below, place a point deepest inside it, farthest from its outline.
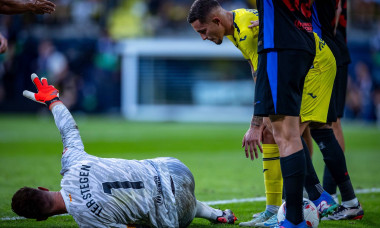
(226, 219)
(360, 217)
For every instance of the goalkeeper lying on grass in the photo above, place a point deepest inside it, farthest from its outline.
(110, 192)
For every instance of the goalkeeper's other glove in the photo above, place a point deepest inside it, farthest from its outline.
(46, 94)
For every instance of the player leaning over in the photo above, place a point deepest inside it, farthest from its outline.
(110, 192)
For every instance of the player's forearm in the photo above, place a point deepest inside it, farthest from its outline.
(67, 126)
(15, 6)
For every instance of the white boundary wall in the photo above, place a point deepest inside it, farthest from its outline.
(132, 50)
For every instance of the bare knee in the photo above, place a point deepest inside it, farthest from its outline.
(286, 133)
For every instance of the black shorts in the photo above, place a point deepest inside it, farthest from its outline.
(332, 114)
(280, 79)
(341, 89)
(338, 95)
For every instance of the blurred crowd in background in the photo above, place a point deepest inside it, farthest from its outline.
(75, 48)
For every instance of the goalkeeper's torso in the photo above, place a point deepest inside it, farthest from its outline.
(107, 192)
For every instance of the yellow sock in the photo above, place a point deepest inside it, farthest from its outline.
(272, 174)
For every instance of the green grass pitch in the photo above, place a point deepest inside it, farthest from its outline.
(30, 151)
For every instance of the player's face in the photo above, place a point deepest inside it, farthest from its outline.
(209, 31)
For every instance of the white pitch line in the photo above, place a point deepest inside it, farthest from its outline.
(257, 199)
(21, 218)
(221, 202)
(367, 190)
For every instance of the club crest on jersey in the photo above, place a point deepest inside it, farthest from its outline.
(322, 44)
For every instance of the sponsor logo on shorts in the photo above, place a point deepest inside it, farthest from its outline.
(312, 95)
(321, 146)
(242, 39)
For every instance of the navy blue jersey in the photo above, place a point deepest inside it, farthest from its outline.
(342, 23)
(285, 24)
(323, 19)
(326, 15)
(341, 33)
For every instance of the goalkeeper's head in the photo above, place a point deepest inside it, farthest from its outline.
(33, 203)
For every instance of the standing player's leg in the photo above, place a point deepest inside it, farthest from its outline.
(338, 132)
(272, 181)
(306, 135)
(282, 102)
(335, 161)
(328, 181)
(334, 157)
(293, 164)
(340, 99)
(316, 97)
(341, 89)
(272, 178)
(322, 200)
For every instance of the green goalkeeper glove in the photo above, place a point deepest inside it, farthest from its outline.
(46, 94)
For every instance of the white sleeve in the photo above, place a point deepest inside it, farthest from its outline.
(73, 149)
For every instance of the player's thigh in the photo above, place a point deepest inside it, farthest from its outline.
(341, 89)
(293, 66)
(338, 95)
(184, 186)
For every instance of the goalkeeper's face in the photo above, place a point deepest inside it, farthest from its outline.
(212, 30)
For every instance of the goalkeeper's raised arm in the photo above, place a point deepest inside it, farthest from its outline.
(73, 149)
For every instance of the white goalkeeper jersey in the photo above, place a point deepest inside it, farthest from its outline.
(108, 192)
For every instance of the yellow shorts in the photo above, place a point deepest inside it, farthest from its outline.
(318, 85)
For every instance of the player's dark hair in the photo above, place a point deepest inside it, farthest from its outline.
(31, 203)
(200, 10)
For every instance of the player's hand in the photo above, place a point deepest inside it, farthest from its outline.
(42, 6)
(46, 94)
(3, 44)
(254, 24)
(251, 141)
